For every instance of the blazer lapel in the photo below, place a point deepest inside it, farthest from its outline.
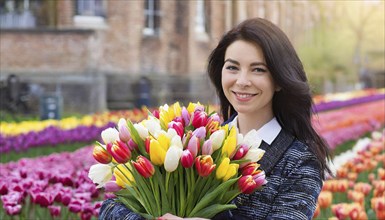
(275, 151)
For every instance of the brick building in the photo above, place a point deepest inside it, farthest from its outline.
(93, 52)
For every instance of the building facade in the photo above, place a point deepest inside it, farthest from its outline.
(93, 52)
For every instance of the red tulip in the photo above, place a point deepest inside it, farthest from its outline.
(204, 165)
(199, 119)
(187, 159)
(119, 151)
(249, 183)
(241, 152)
(101, 155)
(144, 166)
(250, 169)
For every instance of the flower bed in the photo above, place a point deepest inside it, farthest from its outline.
(350, 123)
(358, 190)
(55, 185)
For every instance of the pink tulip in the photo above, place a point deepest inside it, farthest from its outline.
(200, 133)
(111, 186)
(44, 199)
(75, 206)
(185, 116)
(124, 133)
(207, 148)
(187, 159)
(13, 209)
(155, 113)
(193, 145)
(178, 127)
(132, 145)
(54, 210)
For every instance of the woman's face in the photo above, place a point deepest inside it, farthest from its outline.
(246, 80)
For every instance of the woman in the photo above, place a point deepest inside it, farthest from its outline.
(262, 85)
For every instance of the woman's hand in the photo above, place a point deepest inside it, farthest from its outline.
(169, 216)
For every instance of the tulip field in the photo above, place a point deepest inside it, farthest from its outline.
(44, 164)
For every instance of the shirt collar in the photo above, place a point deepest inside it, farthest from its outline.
(268, 132)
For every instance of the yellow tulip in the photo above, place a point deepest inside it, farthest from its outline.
(177, 109)
(222, 168)
(230, 143)
(157, 152)
(233, 169)
(123, 175)
(191, 107)
(226, 170)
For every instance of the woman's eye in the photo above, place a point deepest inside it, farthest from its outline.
(260, 70)
(231, 68)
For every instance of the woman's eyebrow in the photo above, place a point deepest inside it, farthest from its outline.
(232, 61)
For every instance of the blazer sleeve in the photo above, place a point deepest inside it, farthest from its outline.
(298, 194)
(113, 210)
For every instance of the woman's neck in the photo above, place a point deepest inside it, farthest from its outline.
(248, 122)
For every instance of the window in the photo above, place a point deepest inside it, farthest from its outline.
(91, 7)
(202, 18)
(152, 17)
(90, 13)
(18, 13)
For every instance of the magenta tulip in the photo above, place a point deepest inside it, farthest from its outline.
(144, 166)
(199, 119)
(187, 159)
(119, 151)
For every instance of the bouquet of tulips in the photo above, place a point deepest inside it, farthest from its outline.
(180, 161)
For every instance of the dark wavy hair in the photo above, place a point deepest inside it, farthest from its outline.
(292, 105)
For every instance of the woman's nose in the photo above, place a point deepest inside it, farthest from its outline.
(243, 80)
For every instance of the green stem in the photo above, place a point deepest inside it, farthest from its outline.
(155, 190)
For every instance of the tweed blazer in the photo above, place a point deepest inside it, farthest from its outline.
(294, 183)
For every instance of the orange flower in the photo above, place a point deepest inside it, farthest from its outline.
(325, 199)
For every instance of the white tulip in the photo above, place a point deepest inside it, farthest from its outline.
(153, 125)
(177, 141)
(100, 174)
(142, 130)
(252, 139)
(110, 135)
(171, 160)
(217, 139)
(254, 154)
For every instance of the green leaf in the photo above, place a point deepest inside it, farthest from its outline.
(137, 139)
(208, 198)
(212, 210)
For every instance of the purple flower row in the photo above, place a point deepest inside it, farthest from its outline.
(325, 106)
(51, 136)
(54, 182)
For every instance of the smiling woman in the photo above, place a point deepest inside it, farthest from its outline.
(262, 86)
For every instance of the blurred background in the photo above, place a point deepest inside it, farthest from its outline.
(87, 56)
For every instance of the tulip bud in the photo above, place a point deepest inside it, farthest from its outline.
(119, 151)
(124, 133)
(204, 165)
(155, 113)
(200, 133)
(241, 152)
(207, 148)
(132, 145)
(199, 119)
(178, 127)
(185, 116)
(144, 166)
(187, 159)
(217, 139)
(110, 135)
(171, 160)
(250, 169)
(194, 145)
(101, 155)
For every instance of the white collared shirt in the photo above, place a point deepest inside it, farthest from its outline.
(268, 132)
